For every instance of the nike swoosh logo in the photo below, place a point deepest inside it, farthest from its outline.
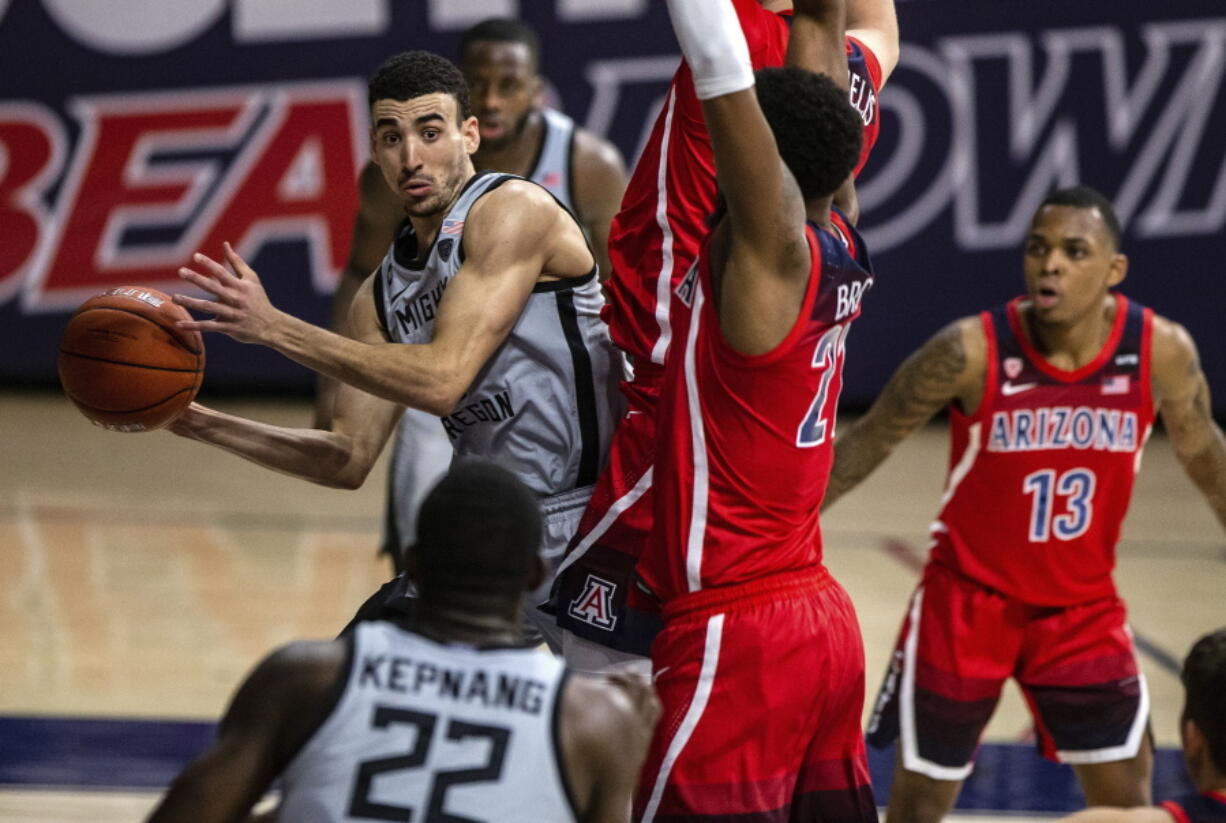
(1010, 389)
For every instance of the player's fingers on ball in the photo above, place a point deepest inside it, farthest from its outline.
(203, 282)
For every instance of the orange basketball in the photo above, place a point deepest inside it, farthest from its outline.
(125, 364)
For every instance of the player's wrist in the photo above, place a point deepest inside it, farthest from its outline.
(714, 46)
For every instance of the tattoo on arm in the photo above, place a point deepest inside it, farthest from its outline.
(926, 382)
(1187, 414)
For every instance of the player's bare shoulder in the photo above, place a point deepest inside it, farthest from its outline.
(952, 364)
(523, 217)
(595, 156)
(1173, 351)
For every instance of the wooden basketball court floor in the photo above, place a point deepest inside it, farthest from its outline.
(143, 575)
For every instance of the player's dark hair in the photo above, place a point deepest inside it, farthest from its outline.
(503, 30)
(478, 530)
(1204, 683)
(415, 73)
(1084, 197)
(816, 129)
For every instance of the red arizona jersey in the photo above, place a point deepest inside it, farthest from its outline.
(1041, 475)
(1209, 807)
(656, 234)
(744, 443)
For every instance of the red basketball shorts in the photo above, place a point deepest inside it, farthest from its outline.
(762, 685)
(960, 641)
(594, 594)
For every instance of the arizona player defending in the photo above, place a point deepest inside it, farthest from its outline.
(760, 666)
(442, 716)
(485, 312)
(653, 242)
(500, 60)
(1051, 399)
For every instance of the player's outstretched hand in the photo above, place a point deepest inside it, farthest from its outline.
(240, 307)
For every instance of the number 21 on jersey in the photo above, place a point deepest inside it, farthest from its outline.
(818, 424)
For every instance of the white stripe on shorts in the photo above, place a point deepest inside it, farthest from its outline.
(911, 759)
(702, 692)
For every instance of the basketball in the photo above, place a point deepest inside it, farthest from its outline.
(125, 364)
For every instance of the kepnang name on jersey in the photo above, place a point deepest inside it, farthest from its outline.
(497, 690)
(1064, 427)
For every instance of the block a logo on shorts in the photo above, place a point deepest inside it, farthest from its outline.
(595, 604)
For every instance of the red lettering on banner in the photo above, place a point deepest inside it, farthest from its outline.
(112, 181)
(300, 186)
(31, 150)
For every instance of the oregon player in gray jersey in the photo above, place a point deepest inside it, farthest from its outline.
(500, 60)
(421, 449)
(440, 716)
(518, 244)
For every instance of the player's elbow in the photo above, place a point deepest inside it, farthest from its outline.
(445, 393)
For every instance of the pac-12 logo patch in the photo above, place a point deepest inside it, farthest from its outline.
(594, 605)
(1013, 367)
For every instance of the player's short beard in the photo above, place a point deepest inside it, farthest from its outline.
(443, 197)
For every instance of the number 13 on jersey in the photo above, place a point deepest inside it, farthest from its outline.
(1076, 487)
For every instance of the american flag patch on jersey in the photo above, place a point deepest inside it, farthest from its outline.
(452, 226)
(1116, 384)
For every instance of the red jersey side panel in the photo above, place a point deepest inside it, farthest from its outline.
(655, 236)
(863, 84)
(725, 512)
(1042, 474)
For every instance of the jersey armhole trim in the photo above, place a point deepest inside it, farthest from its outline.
(564, 283)
(502, 179)
(380, 299)
(1175, 810)
(1147, 340)
(556, 733)
(871, 61)
(329, 703)
(724, 349)
(991, 365)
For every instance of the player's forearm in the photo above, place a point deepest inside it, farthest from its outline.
(318, 456)
(857, 453)
(1206, 467)
(325, 386)
(816, 41)
(417, 376)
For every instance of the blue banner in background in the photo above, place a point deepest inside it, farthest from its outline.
(134, 132)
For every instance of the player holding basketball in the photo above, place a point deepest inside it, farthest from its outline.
(484, 312)
(1051, 400)
(443, 716)
(500, 61)
(1203, 733)
(759, 667)
(653, 242)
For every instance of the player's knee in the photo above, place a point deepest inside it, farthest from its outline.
(916, 798)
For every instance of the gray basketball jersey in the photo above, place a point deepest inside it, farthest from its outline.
(552, 167)
(430, 731)
(545, 403)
